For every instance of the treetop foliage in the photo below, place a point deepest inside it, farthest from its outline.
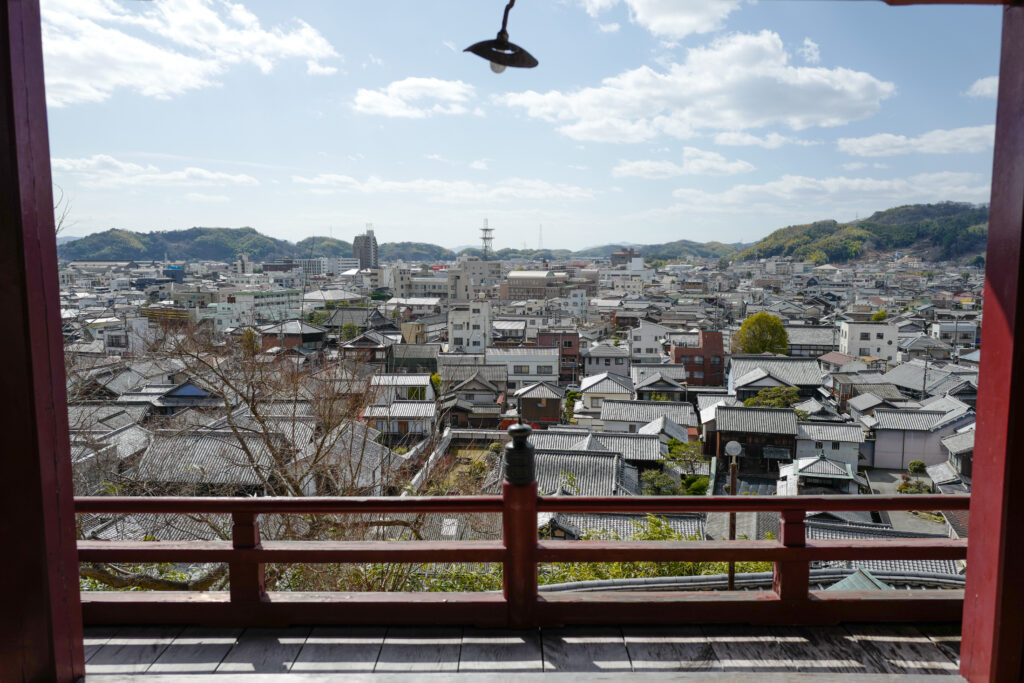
(761, 333)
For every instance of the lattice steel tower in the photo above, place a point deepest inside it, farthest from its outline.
(487, 237)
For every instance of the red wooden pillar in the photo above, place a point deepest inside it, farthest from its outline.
(247, 578)
(791, 579)
(40, 613)
(519, 529)
(993, 625)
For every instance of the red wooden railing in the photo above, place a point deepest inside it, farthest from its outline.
(520, 604)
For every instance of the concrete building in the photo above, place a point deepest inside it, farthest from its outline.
(364, 248)
(872, 339)
(469, 327)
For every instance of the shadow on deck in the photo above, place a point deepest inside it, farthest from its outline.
(875, 652)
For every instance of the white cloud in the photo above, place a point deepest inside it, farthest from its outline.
(103, 171)
(695, 162)
(984, 87)
(958, 140)
(479, 165)
(769, 141)
(207, 198)
(449, 191)
(738, 82)
(855, 166)
(415, 98)
(673, 19)
(608, 28)
(161, 49)
(450, 45)
(810, 52)
(835, 194)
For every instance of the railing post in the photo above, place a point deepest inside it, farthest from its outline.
(247, 583)
(519, 528)
(792, 578)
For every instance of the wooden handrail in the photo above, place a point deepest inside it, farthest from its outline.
(519, 551)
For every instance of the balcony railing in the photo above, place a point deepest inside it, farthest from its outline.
(519, 551)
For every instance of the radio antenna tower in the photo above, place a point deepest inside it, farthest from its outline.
(487, 237)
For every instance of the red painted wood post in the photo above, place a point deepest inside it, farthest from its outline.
(247, 582)
(519, 529)
(791, 578)
(40, 611)
(993, 624)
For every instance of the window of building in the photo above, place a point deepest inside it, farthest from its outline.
(698, 374)
(596, 401)
(458, 341)
(476, 310)
(698, 359)
(468, 397)
(864, 336)
(521, 369)
(835, 445)
(618, 361)
(607, 361)
(476, 327)
(567, 344)
(476, 342)
(864, 351)
(817, 445)
(879, 335)
(545, 369)
(457, 326)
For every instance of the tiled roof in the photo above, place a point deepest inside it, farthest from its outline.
(604, 350)
(820, 530)
(864, 402)
(658, 378)
(830, 431)
(401, 410)
(634, 447)
(540, 390)
(962, 442)
(646, 411)
(388, 379)
(673, 370)
(622, 526)
(907, 420)
(795, 371)
(665, 425)
(607, 383)
(757, 420)
(206, 457)
(812, 335)
(592, 474)
(836, 358)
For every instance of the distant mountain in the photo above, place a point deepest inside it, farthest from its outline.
(937, 231)
(948, 230)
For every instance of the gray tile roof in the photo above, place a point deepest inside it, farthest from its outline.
(640, 370)
(795, 371)
(388, 379)
(622, 526)
(757, 420)
(962, 442)
(907, 420)
(402, 410)
(594, 475)
(665, 425)
(830, 431)
(812, 335)
(865, 402)
(821, 530)
(607, 383)
(633, 447)
(540, 390)
(604, 350)
(205, 457)
(642, 412)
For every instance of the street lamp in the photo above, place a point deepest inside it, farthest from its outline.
(501, 53)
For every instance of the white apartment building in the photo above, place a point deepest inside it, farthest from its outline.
(257, 307)
(961, 334)
(873, 339)
(469, 327)
(472, 278)
(647, 342)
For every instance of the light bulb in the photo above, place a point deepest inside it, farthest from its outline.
(497, 68)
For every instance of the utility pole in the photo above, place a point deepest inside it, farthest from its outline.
(732, 449)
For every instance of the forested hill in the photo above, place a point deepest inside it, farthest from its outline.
(936, 231)
(942, 231)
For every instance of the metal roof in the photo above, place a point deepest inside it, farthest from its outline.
(962, 442)
(646, 411)
(389, 379)
(756, 420)
(864, 402)
(401, 410)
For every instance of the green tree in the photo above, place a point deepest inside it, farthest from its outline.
(435, 381)
(685, 455)
(349, 331)
(658, 483)
(659, 397)
(761, 333)
(774, 397)
(723, 263)
(880, 315)
(917, 467)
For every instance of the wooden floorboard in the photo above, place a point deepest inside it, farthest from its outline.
(95, 637)
(669, 648)
(747, 648)
(132, 649)
(902, 649)
(340, 649)
(196, 650)
(265, 650)
(946, 637)
(507, 650)
(585, 648)
(420, 649)
(825, 649)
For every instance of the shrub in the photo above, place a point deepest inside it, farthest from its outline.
(495, 448)
(916, 467)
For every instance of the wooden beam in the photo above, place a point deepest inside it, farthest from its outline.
(41, 626)
(993, 625)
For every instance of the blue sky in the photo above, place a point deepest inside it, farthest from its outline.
(646, 121)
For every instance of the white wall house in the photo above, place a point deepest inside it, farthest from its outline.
(526, 364)
(469, 327)
(646, 342)
(874, 339)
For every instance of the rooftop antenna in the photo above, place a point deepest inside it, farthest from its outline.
(487, 237)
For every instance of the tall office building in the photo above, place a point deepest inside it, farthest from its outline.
(364, 248)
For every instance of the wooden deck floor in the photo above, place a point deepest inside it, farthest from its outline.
(591, 653)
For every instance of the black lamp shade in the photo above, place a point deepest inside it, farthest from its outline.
(504, 53)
